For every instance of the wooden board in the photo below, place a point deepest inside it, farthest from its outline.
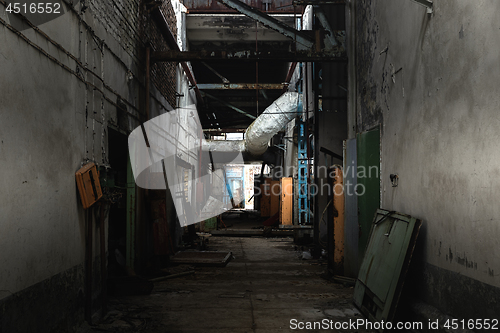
(286, 211)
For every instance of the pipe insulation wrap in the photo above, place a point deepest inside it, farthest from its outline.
(260, 132)
(270, 122)
(223, 146)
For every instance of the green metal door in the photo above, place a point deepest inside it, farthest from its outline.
(368, 183)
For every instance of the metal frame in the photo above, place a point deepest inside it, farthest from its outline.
(241, 86)
(299, 36)
(251, 55)
(303, 202)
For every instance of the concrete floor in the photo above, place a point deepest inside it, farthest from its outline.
(262, 289)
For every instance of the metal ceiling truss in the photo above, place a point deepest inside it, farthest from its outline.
(229, 105)
(318, 2)
(301, 37)
(241, 86)
(250, 55)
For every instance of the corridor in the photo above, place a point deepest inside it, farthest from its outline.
(262, 289)
(130, 127)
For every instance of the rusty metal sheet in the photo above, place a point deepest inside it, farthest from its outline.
(202, 258)
(383, 269)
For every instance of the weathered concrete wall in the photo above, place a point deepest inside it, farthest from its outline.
(61, 89)
(332, 119)
(431, 81)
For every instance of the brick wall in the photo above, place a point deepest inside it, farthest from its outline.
(129, 23)
(120, 18)
(163, 74)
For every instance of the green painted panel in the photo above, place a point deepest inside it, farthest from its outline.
(385, 263)
(368, 183)
(210, 224)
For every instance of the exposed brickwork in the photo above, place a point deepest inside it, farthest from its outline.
(132, 27)
(121, 18)
(163, 74)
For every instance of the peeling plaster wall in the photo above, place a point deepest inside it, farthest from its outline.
(57, 104)
(432, 82)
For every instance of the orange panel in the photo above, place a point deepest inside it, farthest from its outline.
(338, 221)
(286, 216)
(87, 180)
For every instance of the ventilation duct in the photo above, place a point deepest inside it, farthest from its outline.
(260, 132)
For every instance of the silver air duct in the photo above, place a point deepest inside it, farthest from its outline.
(267, 125)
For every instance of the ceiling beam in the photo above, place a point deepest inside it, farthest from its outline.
(160, 19)
(225, 124)
(215, 131)
(300, 37)
(240, 86)
(336, 55)
(318, 2)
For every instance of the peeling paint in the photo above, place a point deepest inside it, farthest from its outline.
(369, 111)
